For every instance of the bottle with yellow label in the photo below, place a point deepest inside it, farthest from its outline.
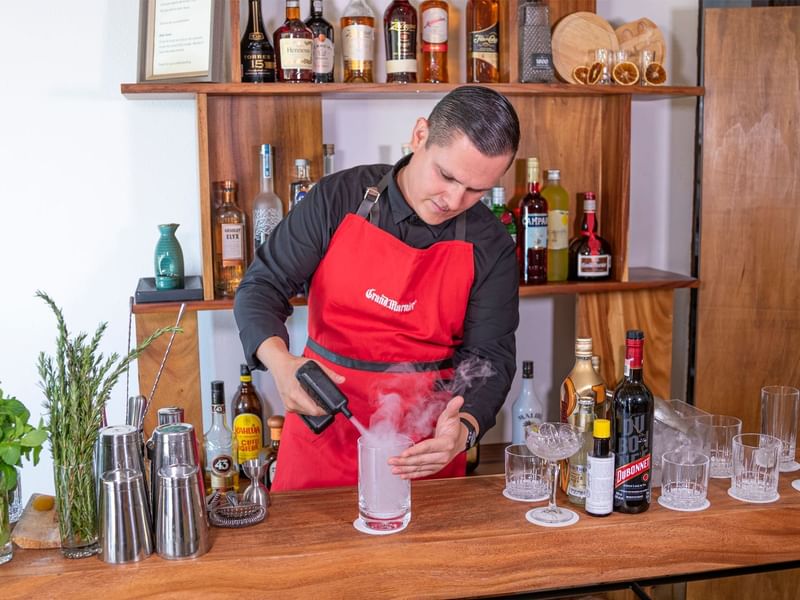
(248, 423)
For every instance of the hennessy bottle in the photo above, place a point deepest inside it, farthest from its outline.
(400, 30)
(358, 42)
(483, 41)
(322, 51)
(294, 45)
(230, 250)
(258, 57)
(435, 20)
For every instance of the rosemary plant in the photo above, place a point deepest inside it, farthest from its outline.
(77, 383)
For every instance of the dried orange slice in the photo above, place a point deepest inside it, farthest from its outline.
(595, 72)
(581, 74)
(625, 73)
(655, 74)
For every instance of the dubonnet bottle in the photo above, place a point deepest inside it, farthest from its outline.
(633, 432)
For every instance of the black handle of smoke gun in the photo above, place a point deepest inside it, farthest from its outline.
(324, 392)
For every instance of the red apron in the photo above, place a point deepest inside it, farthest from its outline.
(377, 305)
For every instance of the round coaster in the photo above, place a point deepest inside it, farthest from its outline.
(572, 520)
(508, 495)
(361, 526)
(796, 484)
(703, 506)
(790, 467)
(773, 499)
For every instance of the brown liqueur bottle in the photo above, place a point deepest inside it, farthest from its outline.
(532, 232)
(483, 41)
(323, 44)
(230, 250)
(435, 24)
(400, 30)
(248, 424)
(275, 425)
(294, 47)
(258, 57)
(358, 42)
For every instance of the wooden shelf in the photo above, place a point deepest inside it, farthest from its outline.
(393, 90)
(641, 278)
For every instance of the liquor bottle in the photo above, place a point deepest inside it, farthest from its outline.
(248, 424)
(535, 44)
(435, 18)
(322, 49)
(358, 42)
(258, 57)
(483, 41)
(532, 233)
(275, 425)
(473, 458)
(583, 420)
(221, 470)
(501, 211)
(589, 254)
(230, 250)
(584, 381)
(267, 206)
(633, 432)
(596, 363)
(300, 184)
(400, 33)
(294, 47)
(600, 472)
(328, 154)
(527, 409)
(557, 227)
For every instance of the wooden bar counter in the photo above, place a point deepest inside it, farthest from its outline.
(464, 540)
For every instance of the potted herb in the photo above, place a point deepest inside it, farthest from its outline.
(17, 439)
(77, 383)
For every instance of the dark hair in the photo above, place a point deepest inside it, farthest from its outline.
(484, 116)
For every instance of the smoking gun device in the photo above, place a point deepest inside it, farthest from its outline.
(324, 392)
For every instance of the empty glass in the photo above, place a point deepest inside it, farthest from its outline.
(684, 480)
(755, 467)
(384, 499)
(780, 409)
(717, 432)
(526, 475)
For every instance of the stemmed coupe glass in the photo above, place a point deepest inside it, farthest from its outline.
(553, 442)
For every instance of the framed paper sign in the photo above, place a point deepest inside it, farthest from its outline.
(181, 40)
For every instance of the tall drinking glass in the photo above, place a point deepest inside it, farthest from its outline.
(384, 499)
(780, 409)
(553, 442)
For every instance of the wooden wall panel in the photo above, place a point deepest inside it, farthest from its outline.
(180, 381)
(606, 318)
(614, 197)
(780, 585)
(748, 316)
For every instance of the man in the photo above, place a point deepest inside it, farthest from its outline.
(413, 275)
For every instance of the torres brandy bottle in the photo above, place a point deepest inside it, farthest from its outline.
(483, 41)
(633, 432)
(532, 233)
(358, 42)
(435, 23)
(400, 31)
(322, 51)
(258, 57)
(294, 44)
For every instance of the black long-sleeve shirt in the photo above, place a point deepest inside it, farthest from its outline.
(285, 264)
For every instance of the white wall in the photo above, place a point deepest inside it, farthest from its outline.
(88, 174)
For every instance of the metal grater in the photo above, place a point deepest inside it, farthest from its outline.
(535, 50)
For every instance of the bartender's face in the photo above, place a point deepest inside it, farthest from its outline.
(441, 182)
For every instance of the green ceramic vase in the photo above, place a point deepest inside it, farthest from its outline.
(168, 260)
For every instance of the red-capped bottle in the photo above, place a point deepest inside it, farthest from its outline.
(589, 254)
(532, 232)
(633, 432)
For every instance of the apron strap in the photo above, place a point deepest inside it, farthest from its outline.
(378, 367)
(369, 208)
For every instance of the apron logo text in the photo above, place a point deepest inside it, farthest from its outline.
(389, 303)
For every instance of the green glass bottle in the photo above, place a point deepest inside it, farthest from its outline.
(557, 227)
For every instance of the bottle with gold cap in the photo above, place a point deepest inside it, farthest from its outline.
(248, 424)
(582, 380)
(275, 425)
(600, 472)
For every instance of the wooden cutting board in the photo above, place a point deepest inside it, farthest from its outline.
(36, 528)
(575, 36)
(639, 35)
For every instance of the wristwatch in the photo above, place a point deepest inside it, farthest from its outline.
(472, 435)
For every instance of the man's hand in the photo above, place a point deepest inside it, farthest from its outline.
(283, 365)
(430, 456)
